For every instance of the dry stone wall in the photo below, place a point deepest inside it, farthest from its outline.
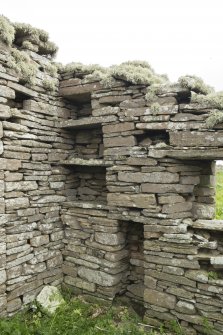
(108, 193)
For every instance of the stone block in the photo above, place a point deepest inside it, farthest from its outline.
(7, 92)
(110, 239)
(131, 200)
(153, 177)
(16, 203)
(80, 283)
(159, 298)
(99, 277)
(21, 186)
(125, 141)
(39, 240)
(118, 128)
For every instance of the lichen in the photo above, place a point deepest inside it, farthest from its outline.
(24, 30)
(23, 66)
(214, 100)
(50, 85)
(136, 72)
(77, 67)
(38, 37)
(52, 70)
(30, 46)
(155, 107)
(7, 31)
(195, 84)
(214, 118)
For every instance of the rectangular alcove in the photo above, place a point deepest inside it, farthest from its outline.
(134, 244)
(86, 184)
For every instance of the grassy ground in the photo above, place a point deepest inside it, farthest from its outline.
(219, 194)
(75, 317)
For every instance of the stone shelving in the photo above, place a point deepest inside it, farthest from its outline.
(85, 162)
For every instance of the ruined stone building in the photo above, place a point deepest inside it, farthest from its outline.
(107, 184)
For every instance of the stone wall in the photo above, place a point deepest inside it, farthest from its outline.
(109, 193)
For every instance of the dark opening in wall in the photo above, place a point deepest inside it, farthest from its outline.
(153, 137)
(135, 279)
(86, 184)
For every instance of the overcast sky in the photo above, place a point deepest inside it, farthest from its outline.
(176, 37)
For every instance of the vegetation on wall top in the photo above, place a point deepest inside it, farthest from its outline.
(7, 31)
(25, 36)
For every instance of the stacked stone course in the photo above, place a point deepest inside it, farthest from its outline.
(109, 194)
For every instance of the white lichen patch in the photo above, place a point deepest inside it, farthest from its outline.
(195, 84)
(50, 85)
(7, 31)
(214, 100)
(214, 118)
(25, 68)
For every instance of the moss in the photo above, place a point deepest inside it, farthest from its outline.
(214, 118)
(50, 85)
(23, 66)
(195, 84)
(7, 31)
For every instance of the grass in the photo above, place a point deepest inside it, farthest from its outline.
(219, 195)
(76, 316)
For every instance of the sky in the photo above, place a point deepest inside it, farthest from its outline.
(176, 37)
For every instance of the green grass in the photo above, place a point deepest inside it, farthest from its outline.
(76, 316)
(219, 195)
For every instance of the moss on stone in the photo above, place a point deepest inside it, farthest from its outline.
(195, 84)
(52, 70)
(23, 66)
(7, 31)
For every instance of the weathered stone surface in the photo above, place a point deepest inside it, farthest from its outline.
(99, 277)
(21, 186)
(185, 307)
(39, 240)
(12, 204)
(110, 239)
(131, 200)
(159, 298)
(5, 112)
(154, 177)
(195, 139)
(50, 299)
(125, 141)
(166, 188)
(7, 92)
(119, 127)
(80, 283)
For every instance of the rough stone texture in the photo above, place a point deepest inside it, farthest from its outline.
(105, 193)
(50, 299)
